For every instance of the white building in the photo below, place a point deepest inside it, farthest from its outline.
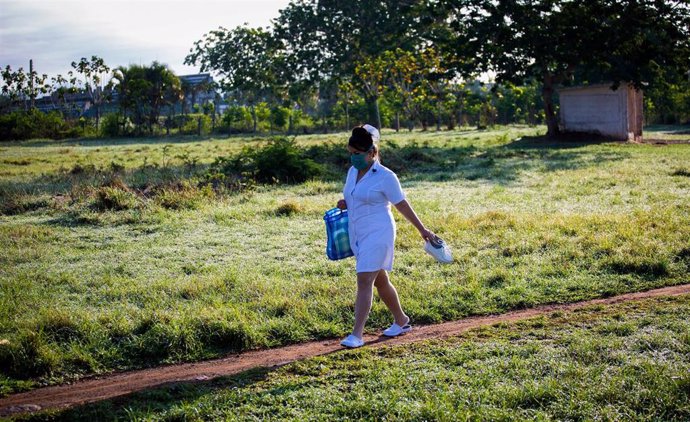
(599, 109)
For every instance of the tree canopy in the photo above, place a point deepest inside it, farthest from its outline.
(327, 62)
(357, 44)
(144, 90)
(565, 41)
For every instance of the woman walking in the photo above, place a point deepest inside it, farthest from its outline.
(369, 191)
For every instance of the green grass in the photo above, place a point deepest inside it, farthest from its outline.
(668, 133)
(107, 267)
(624, 362)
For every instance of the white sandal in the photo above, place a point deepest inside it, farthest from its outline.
(395, 330)
(352, 342)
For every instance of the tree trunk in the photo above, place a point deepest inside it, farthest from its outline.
(397, 121)
(347, 115)
(32, 92)
(374, 114)
(460, 109)
(253, 117)
(549, 112)
(438, 116)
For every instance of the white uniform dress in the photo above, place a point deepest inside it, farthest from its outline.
(371, 224)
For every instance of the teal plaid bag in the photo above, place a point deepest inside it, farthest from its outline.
(338, 245)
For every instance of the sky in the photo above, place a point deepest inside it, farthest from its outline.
(54, 33)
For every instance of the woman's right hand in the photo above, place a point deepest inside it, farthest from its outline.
(342, 204)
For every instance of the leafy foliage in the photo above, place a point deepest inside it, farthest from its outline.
(281, 160)
(144, 90)
(20, 125)
(560, 42)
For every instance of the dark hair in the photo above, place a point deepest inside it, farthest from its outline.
(361, 139)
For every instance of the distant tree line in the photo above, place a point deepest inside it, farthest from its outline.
(326, 64)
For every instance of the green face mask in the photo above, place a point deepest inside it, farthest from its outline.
(359, 161)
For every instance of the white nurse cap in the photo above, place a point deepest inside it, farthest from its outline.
(375, 135)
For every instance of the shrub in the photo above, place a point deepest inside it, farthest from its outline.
(182, 195)
(14, 203)
(302, 122)
(21, 125)
(237, 119)
(29, 355)
(288, 208)
(190, 124)
(279, 117)
(279, 161)
(113, 198)
(112, 125)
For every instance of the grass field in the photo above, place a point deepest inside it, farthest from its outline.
(118, 254)
(625, 362)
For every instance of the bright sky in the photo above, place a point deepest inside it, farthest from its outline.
(54, 33)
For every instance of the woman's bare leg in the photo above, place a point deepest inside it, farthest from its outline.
(389, 296)
(365, 294)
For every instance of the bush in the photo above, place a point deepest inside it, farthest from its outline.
(115, 198)
(288, 208)
(237, 119)
(182, 195)
(21, 125)
(302, 122)
(281, 161)
(279, 117)
(113, 125)
(190, 124)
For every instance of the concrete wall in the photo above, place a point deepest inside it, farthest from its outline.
(598, 109)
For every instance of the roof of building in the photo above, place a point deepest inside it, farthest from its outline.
(197, 79)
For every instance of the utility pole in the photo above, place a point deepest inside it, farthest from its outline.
(32, 92)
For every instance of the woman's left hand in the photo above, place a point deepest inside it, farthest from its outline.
(427, 234)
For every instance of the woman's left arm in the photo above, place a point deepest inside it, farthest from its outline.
(406, 210)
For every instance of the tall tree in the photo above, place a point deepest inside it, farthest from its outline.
(371, 75)
(94, 72)
(331, 38)
(62, 88)
(247, 61)
(23, 87)
(15, 85)
(554, 41)
(144, 91)
(404, 84)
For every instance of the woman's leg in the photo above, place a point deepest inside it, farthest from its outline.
(389, 296)
(365, 294)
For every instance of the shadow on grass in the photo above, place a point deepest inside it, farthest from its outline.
(158, 400)
(147, 140)
(564, 141)
(504, 164)
(165, 397)
(501, 164)
(671, 129)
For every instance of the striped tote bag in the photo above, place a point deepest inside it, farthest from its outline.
(338, 245)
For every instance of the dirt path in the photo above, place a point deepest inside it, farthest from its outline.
(97, 389)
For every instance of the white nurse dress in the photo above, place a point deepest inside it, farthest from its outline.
(371, 223)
